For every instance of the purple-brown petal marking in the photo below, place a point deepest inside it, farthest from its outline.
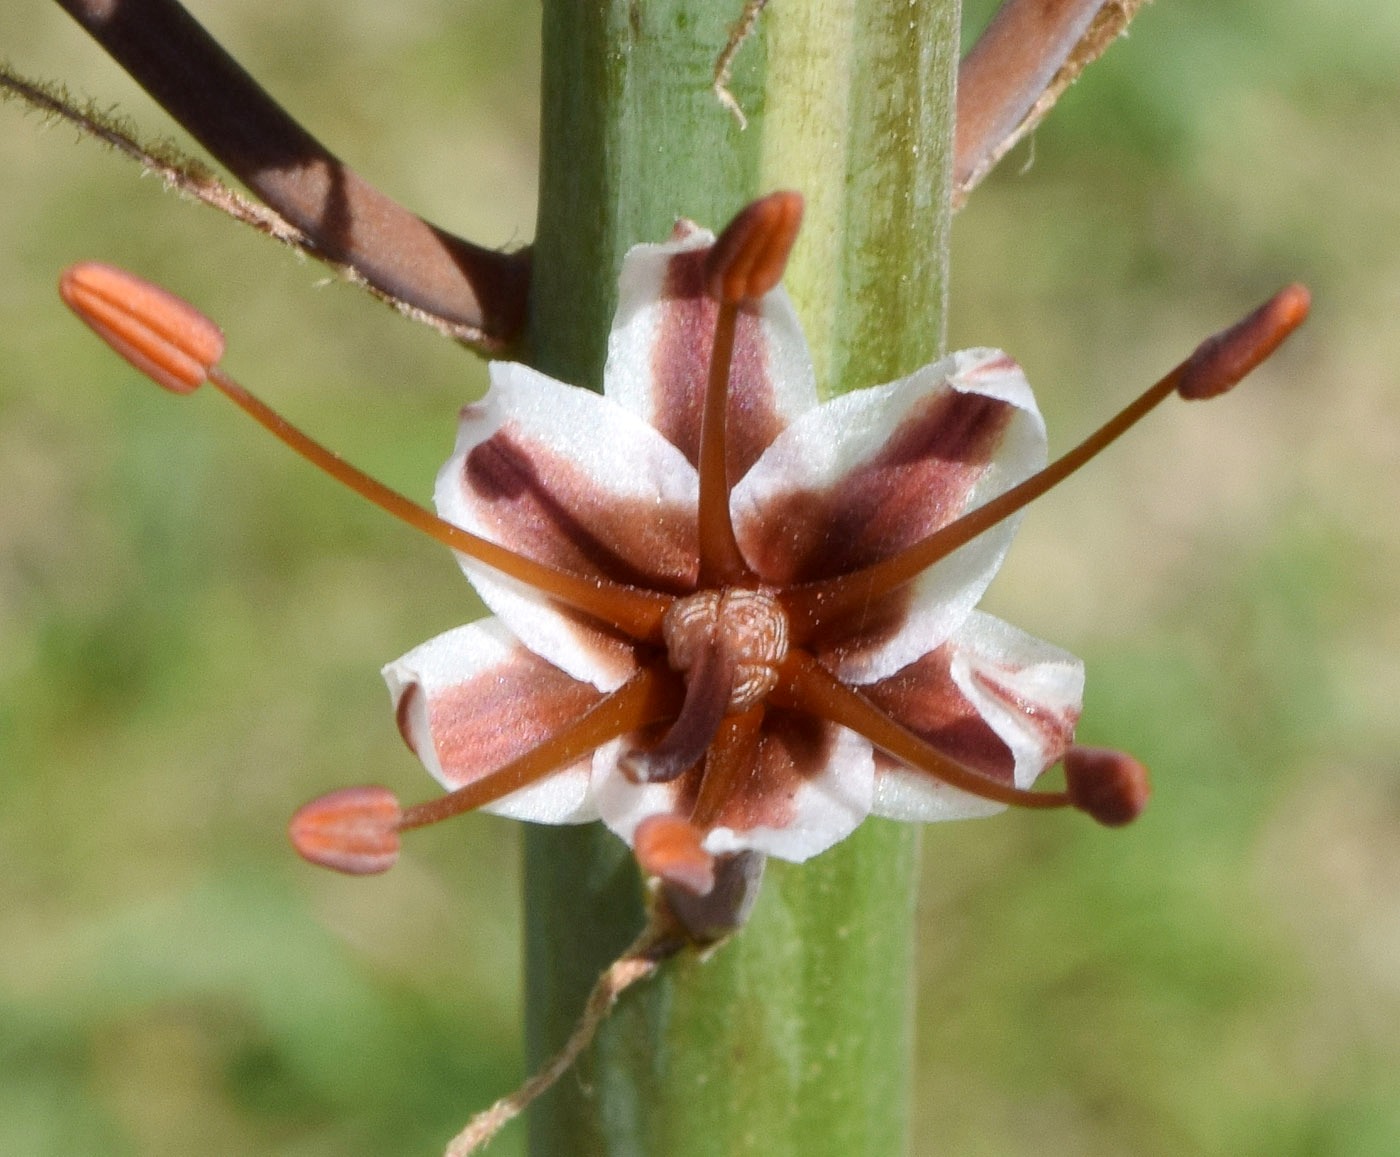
(791, 749)
(924, 698)
(993, 700)
(808, 785)
(582, 485)
(680, 364)
(550, 510)
(473, 700)
(795, 754)
(869, 477)
(486, 721)
(919, 481)
(1052, 726)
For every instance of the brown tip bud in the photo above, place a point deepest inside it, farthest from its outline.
(167, 339)
(1221, 361)
(1109, 785)
(354, 830)
(749, 257)
(670, 848)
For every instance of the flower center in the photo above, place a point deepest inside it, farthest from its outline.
(746, 631)
(727, 644)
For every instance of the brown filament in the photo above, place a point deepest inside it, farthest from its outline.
(812, 688)
(644, 699)
(1216, 364)
(731, 757)
(707, 686)
(720, 560)
(745, 262)
(633, 610)
(175, 345)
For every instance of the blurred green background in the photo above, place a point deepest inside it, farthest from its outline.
(191, 621)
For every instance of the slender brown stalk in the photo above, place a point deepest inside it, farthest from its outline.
(811, 687)
(633, 610)
(643, 699)
(1217, 364)
(720, 560)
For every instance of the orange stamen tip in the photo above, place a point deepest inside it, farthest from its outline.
(1111, 786)
(749, 257)
(354, 830)
(167, 339)
(1221, 361)
(670, 848)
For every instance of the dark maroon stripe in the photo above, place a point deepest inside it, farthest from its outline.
(681, 366)
(924, 698)
(1055, 728)
(919, 481)
(547, 508)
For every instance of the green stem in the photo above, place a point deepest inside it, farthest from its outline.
(793, 1037)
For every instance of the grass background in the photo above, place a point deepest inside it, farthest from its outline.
(191, 622)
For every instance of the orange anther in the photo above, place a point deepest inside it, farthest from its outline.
(669, 847)
(1222, 360)
(749, 257)
(1111, 786)
(354, 830)
(167, 339)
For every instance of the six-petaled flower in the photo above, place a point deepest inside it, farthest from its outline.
(728, 618)
(610, 487)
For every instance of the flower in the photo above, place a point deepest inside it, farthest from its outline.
(783, 679)
(729, 621)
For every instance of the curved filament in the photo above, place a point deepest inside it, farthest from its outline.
(811, 687)
(644, 699)
(730, 759)
(1216, 364)
(720, 560)
(707, 687)
(637, 612)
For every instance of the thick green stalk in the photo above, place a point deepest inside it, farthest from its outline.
(794, 1037)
